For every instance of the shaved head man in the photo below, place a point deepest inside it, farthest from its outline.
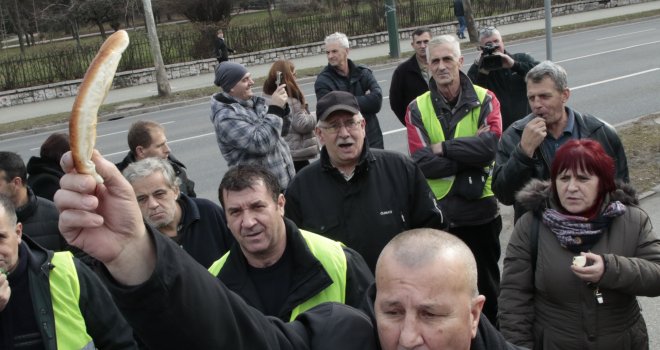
(426, 295)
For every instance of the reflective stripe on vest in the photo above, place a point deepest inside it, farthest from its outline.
(332, 257)
(466, 127)
(70, 328)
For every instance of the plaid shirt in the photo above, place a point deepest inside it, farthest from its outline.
(247, 133)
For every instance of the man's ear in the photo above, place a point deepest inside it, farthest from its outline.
(19, 231)
(319, 135)
(139, 152)
(475, 312)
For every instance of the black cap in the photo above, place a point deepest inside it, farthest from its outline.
(336, 101)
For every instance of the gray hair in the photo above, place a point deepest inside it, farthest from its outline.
(421, 246)
(487, 32)
(338, 37)
(551, 70)
(147, 166)
(445, 39)
(10, 210)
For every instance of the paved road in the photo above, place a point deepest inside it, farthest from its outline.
(614, 73)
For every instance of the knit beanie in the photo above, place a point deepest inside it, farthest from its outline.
(228, 74)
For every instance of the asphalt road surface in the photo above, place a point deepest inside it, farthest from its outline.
(614, 73)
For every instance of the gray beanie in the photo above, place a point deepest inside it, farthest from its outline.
(228, 74)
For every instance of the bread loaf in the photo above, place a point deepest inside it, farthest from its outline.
(91, 94)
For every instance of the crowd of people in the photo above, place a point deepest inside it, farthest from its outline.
(323, 239)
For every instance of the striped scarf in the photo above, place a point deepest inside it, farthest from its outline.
(577, 233)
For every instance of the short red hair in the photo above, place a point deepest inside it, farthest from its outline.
(586, 155)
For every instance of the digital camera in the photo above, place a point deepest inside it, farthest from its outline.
(489, 60)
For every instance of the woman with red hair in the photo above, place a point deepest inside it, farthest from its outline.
(577, 260)
(300, 132)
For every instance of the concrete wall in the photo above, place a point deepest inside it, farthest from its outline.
(179, 70)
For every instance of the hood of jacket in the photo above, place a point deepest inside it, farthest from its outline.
(37, 165)
(537, 195)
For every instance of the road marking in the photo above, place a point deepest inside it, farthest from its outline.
(393, 131)
(608, 51)
(626, 34)
(614, 79)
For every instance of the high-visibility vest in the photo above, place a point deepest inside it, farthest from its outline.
(70, 328)
(332, 257)
(466, 127)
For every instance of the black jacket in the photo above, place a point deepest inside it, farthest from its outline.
(40, 221)
(203, 230)
(487, 337)
(221, 50)
(407, 83)
(513, 169)
(386, 195)
(44, 177)
(187, 186)
(308, 276)
(364, 86)
(508, 85)
(183, 306)
(104, 322)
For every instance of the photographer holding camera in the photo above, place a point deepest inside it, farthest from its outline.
(502, 73)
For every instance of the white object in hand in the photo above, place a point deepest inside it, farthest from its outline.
(579, 260)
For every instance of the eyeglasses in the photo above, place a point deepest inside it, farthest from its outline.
(335, 127)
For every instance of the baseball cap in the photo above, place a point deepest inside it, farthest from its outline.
(336, 101)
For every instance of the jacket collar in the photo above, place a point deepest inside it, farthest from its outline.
(189, 211)
(308, 275)
(29, 208)
(362, 167)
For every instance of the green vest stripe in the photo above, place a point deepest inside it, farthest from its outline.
(466, 127)
(332, 257)
(70, 328)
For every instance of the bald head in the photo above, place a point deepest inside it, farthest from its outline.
(426, 292)
(422, 247)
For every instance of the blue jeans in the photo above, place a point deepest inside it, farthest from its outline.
(462, 24)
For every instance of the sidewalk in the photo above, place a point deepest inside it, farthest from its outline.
(15, 113)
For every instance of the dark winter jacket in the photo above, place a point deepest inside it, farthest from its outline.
(44, 177)
(364, 86)
(183, 306)
(407, 83)
(105, 324)
(458, 8)
(550, 308)
(203, 231)
(40, 219)
(221, 50)
(513, 169)
(509, 86)
(308, 275)
(187, 186)
(487, 337)
(459, 154)
(386, 195)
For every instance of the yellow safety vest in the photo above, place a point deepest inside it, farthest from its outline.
(466, 127)
(70, 328)
(332, 257)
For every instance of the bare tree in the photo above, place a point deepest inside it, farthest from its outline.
(161, 75)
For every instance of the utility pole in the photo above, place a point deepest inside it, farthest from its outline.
(392, 28)
(154, 44)
(548, 29)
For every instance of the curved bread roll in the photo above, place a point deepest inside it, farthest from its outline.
(92, 93)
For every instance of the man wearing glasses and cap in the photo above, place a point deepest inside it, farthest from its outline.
(354, 194)
(502, 73)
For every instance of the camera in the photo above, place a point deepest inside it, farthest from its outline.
(489, 60)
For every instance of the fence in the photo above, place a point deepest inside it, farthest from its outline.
(184, 46)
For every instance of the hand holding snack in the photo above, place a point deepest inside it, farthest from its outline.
(92, 93)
